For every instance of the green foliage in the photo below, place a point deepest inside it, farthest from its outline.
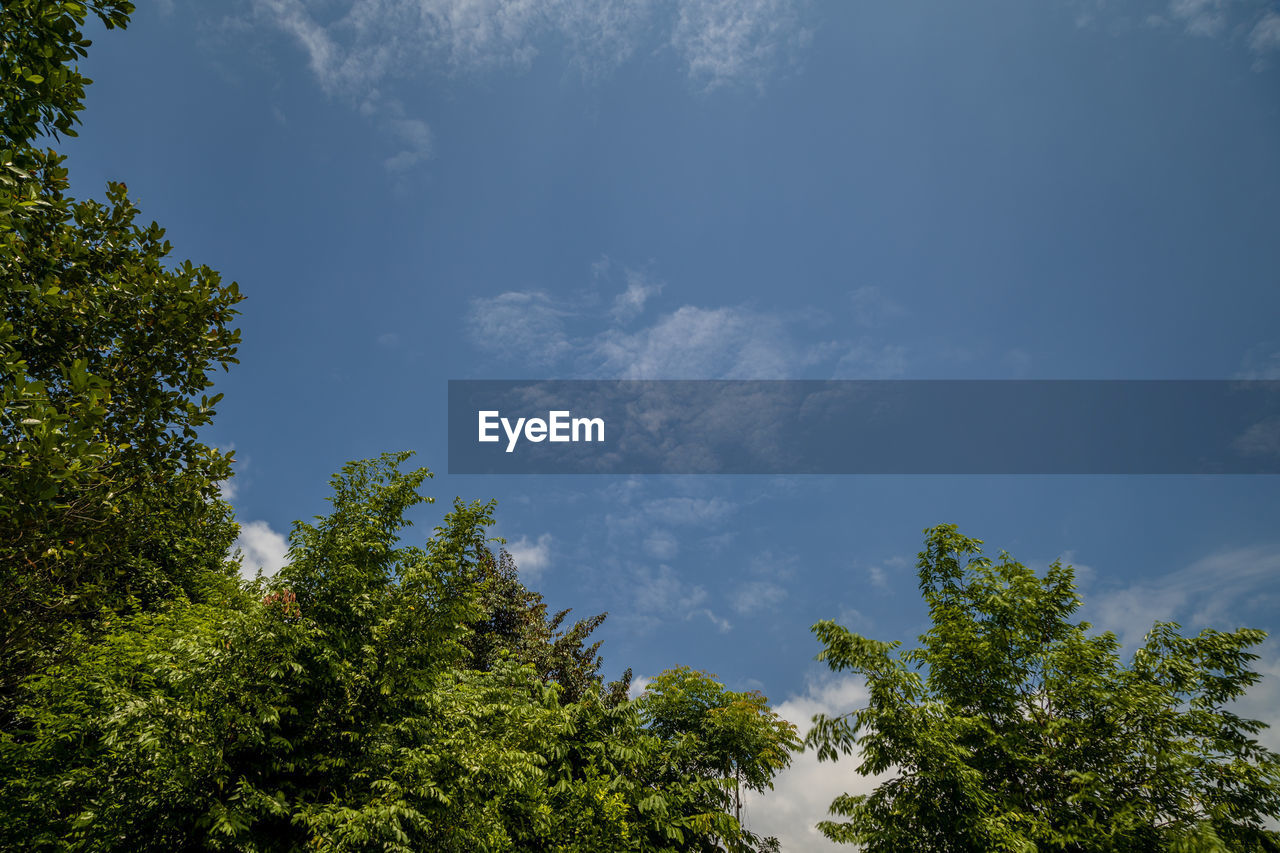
(341, 711)
(373, 695)
(41, 91)
(108, 500)
(516, 624)
(1011, 728)
(717, 733)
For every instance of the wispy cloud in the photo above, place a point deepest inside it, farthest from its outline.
(1200, 17)
(661, 594)
(728, 41)
(630, 303)
(414, 138)
(524, 326)
(883, 573)
(1232, 21)
(752, 597)
(718, 41)
(1218, 590)
(1264, 38)
(638, 685)
(689, 342)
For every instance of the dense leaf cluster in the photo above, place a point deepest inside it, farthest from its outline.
(373, 695)
(107, 497)
(345, 710)
(1012, 728)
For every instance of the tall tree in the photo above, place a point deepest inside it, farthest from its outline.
(341, 712)
(108, 499)
(1013, 728)
(516, 624)
(719, 733)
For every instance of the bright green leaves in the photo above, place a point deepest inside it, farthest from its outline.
(1012, 728)
(346, 705)
(715, 733)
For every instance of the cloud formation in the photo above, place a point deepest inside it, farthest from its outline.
(260, 548)
(691, 342)
(803, 792)
(718, 42)
(531, 557)
(1235, 21)
(1220, 588)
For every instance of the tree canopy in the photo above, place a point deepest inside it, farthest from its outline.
(1013, 728)
(374, 695)
(108, 499)
(344, 710)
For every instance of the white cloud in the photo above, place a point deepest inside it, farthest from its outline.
(1265, 35)
(662, 545)
(718, 41)
(691, 342)
(661, 595)
(1200, 17)
(877, 576)
(531, 557)
(415, 137)
(662, 592)
(722, 625)
(753, 596)
(871, 361)
(260, 548)
(803, 792)
(520, 326)
(1214, 591)
(725, 41)
(324, 57)
(1231, 21)
(1260, 439)
(227, 489)
(688, 510)
(1263, 699)
(699, 343)
(630, 303)
(881, 574)
(638, 685)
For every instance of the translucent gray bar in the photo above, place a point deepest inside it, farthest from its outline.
(866, 427)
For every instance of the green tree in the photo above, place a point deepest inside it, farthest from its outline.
(108, 500)
(1012, 728)
(342, 710)
(714, 732)
(516, 624)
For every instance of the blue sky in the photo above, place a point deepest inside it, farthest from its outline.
(412, 192)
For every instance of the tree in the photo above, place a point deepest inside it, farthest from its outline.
(516, 624)
(109, 502)
(719, 733)
(341, 710)
(1012, 728)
